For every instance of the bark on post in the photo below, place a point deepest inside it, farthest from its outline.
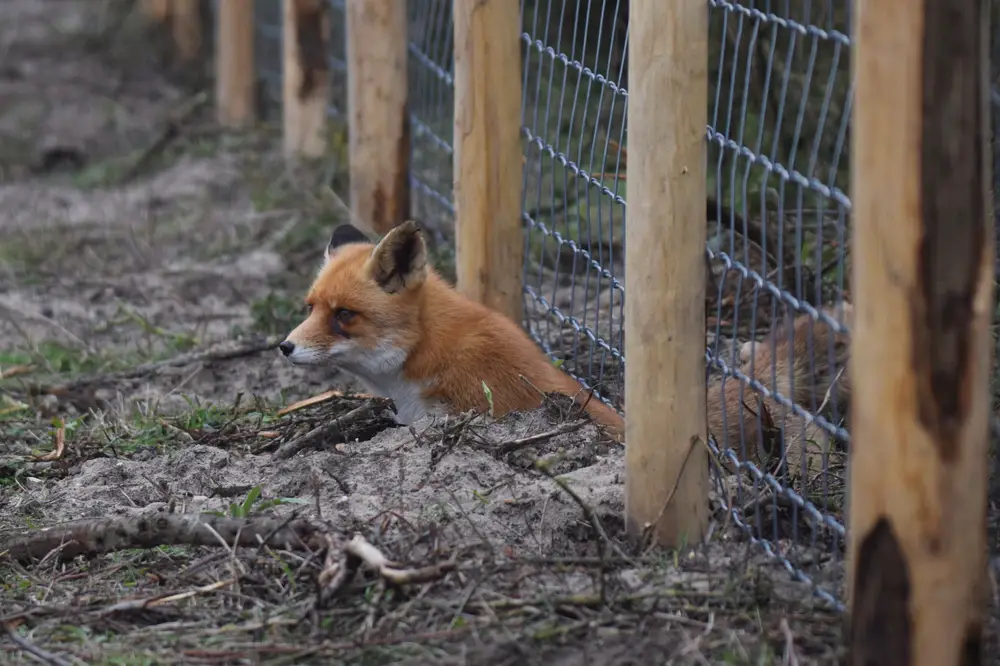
(666, 460)
(923, 252)
(306, 76)
(379, 126)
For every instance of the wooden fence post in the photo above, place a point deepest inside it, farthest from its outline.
(306, 76)
(185, 18)
(379, 125)
(489, 239)
(666, 459)
(235, 83)
(923, 251)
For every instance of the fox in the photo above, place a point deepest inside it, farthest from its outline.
(814, 374)
(380, 312)
(383, 314)
(799, 376)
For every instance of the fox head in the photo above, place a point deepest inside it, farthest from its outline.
(363, 306)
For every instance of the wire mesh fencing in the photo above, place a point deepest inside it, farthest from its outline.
(268, 54)
(573, 207)
(778, 216)
(778, 140)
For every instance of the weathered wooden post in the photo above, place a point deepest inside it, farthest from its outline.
(306, 76)
(379, 116)
(923, 252)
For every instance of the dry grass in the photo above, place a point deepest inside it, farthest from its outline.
(525, 598)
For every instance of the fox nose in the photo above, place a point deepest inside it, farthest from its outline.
(286, 347)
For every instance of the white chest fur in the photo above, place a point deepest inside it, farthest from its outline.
(381, 371)
(406, 395)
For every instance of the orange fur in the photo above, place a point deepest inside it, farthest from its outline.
(784, 365)
(417, 340)
(448, 345)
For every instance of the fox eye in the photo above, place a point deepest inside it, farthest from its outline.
(343, 315)
(309, 308)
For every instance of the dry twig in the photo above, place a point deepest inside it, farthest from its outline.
(60, 448)
(516, 444)
(34, 650)
(360, 548)
(790, 658)
(329, 430)
(163, 599)
(15, 370)
(588, 510)
(321, 398)
(342, 563)
(673, 490)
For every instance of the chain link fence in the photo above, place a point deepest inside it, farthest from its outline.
(778, 216)
(778, 156)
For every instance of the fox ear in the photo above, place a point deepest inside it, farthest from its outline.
(342, 235)
(399, 262)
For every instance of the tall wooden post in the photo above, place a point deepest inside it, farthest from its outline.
(186, 27)
(665, 235)
(235, 82)
(379, 126)
(489, 240)
(183, 20)
(306, 76)
(923, 251)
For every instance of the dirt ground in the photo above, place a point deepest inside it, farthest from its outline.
(143, 291)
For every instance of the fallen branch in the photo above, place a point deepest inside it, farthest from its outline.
(221, 352)
(326, 431)
(105, 535)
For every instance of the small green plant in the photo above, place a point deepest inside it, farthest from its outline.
(252, 503)
(489, 396)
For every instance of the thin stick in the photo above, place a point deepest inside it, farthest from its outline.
(592, 516)
(33, 649)
(516, 444)
(329, 430)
